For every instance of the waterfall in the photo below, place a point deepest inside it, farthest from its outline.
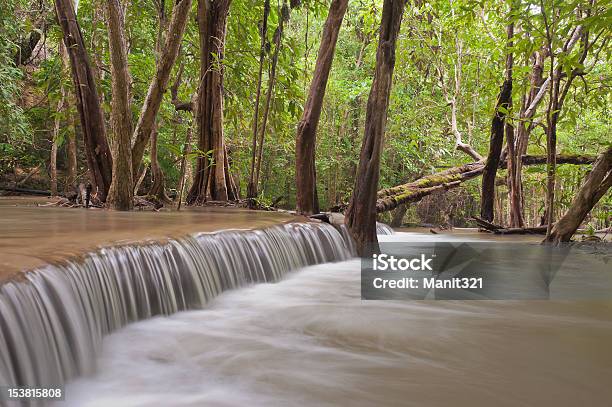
(384, 229)
(52, 324)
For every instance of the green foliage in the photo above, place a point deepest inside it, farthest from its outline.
(448, 51)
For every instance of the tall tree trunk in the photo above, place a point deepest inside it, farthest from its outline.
(159, 83)
(497, 136)
(252, 187)
(71, 149)
(522, 131)
(594, 187)
(307, 128)
(158, 184)
(278, 36)
(121, 193)
(515, 218)
(210, 179)
(99, 160)
(54, 145)
(551, 152)
(361, 213)
(556, 98)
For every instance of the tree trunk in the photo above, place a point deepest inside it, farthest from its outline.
(522, 130)
(210, 178)
(158, 186)
(99, 160)
(121, 193)
(361, 213)
(595, 186)
(54, 145)
(551, 151)
(307, 128)
(398, 216)
(252, 187)
(186, 152)
(71, 150)
(72, 160)
(504, 101)
(515, 217)
(278, 35)
(159, 83)
(139, 181)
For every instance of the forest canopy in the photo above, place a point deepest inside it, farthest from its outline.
(201, 101)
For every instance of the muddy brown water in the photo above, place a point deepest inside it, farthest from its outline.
(32, 235)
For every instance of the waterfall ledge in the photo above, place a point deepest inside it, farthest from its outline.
(53, 322)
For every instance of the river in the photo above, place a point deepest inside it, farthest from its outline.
(309, 340)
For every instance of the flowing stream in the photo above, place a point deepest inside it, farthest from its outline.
(52, 325)
(308, 339)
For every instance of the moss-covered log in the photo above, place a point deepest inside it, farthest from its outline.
(414, 191)
(459, 173)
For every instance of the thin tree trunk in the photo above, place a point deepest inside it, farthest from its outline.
(121, 193)
(54, 145)
(497, 136)
(53, 165)
(71, 150)
(252, 187)
(515, 218)
(278, 35)
(210, 180)
(361, 213)
(521, 138)
(551, 153)
(186, 152)
(514, 198)
(140, 179)
(595, 186)
(159, 83)
(307, 128)
(72, 159)
(158, 185)
(99, 160)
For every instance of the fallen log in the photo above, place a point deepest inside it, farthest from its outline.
(576, 159)
(500, 230)
(412, 195)
(485, 224)
(26, 191)
(460, 173)
(414, 191)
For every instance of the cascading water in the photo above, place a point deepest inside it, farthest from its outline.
(384, 229)
(51, 325)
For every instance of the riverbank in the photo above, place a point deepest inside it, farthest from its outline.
(32, 235)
